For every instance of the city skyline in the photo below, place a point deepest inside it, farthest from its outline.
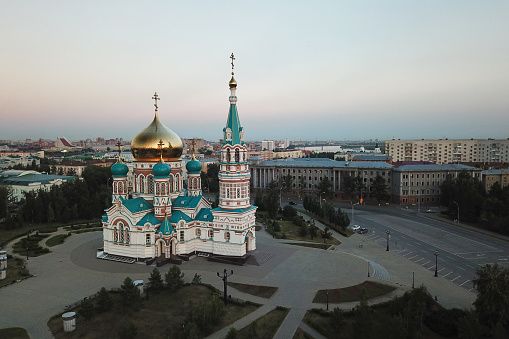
(340, 71)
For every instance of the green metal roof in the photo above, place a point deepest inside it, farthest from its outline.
(176, 216)
(205, 214)
(186, 202)
(136, 205)
(150, 218)
(233, 123)
(237, 210)
(166, 228)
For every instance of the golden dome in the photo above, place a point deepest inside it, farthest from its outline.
(145, 146)
(233, 82)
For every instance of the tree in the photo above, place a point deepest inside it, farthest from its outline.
(379, 189)
(289, 211)
(313, 230)
(104, 301)
(287, 183)
(6, 197)
(155, 281)
(324, 186)
(336, 320)
(127, 329)
(349, 186)
(130, 294)
(86, 309)
(196, 279)
(363, 321)
(492, 302)
(302, 185)
(232, 333)
(271, 200)
(174, 278)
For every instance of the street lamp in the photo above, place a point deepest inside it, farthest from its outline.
(368, 269)
(353, 216)
(327, 300)
(388, 233)
(225, 281)
(458, 220)
(436, 263)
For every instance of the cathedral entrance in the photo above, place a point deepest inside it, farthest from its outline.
(249, 242)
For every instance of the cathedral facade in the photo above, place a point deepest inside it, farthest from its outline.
(154, 215)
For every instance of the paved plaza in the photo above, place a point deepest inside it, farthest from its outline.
(71, 272)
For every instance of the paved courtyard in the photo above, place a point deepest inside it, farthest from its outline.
(71, 272)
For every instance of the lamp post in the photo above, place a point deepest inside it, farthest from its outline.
(458, 220)
(327, 299)
(388, 233)
(353, 216)
(413, 279)
(368, 269)
(225, 281)
(436, 263)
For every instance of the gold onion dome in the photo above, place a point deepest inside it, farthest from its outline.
(233, 82)
(145, 146)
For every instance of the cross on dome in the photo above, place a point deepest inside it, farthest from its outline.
(233, 58)
(155, 97)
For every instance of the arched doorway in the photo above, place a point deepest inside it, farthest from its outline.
(160, 245)
(249, 242)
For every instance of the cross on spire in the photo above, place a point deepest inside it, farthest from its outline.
(119, 151)
(160, 144)
(193, 143)
(155, 97)
(233, 58)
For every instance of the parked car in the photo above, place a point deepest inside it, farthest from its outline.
(292, 203)
(363, 230)
(355, 227)
(430, 211)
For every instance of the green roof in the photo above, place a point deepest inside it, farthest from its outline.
(150, 218)
(186, 202)
(237, 210)
(166, 228)
(176, 216)
(205, 214)
(233, 123)
(136, 205)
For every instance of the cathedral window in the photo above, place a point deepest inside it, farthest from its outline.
(228, 155)
(127, 235)
(198, 233)
(121, 233)
(171, 183)
(151, 184)
(228, 193)
(211, 234)
(238, 192)
(142, 184)
(237, 155)
(115, 234)
(147, 239)
(181, 235)
(158, 188)
(227, 236)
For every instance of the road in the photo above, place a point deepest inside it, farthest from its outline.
(416, 236)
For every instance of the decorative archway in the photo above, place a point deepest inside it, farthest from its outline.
(249, 241)
(160, 247)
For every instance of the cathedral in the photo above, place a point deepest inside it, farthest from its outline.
(154, 215)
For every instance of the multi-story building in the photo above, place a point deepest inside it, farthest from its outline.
(445, 151)
(413, 184)
(311, 171)
(268, 145)
(492, 176)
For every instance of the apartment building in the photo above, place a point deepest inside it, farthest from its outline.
(492, 176)
(445, 151)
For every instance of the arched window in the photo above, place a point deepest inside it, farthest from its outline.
(228, 155)
(121, 232)
(171, 183)
(237, 155)
(151, 184)
(115, 234)
(142, 184)
(158, 188)
(127, 235)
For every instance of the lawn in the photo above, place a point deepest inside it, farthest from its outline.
(257, 290)
(266, 326)
(14, 272)
(14, 333)
(353, 293)
(56, 240)
(163, 313)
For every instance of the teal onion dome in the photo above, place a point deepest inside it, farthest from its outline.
(119, 169)
(161, 170)
(193, 166)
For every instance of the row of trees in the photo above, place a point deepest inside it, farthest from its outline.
(77, 199)
(466, 195)
(323, 209)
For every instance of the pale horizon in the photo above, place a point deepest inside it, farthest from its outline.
(305, 71)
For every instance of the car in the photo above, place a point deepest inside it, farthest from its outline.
(363, 230)
(430, 211)
(355, 227)
(292, 203)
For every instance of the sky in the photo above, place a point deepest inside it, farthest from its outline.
(306, 70)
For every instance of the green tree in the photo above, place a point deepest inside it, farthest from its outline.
(349, 186)
(232, 333)
(127, 329)
(6, 197)
(212, 174)
(492, 302)
(287, 183)
(130, 295)
(379, 189)
(104, 301)
(174, 278)
(196, 279)
(155, 281)
(271, 200)
(363, 321)
(86, 309)
(337, 321)
(324, 186)
(302, 185)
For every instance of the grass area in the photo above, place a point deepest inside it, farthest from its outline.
(14, 272)
(32, 242)
(353, 293)
(161, 315)
(56, 240)
(312, 245)
(14, 333)
(292, 232)
(325, 222)
(266, 326)
(257, 290)
(301, 334)
(413, 315)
